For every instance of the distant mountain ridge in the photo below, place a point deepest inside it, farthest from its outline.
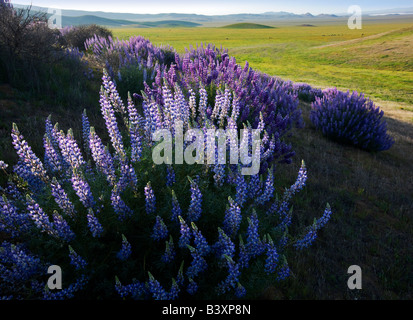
(76, 17)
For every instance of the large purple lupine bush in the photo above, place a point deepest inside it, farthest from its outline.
(208, 239)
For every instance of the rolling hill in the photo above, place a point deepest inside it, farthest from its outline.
(91, 19)
(247, 26)
(169, 24)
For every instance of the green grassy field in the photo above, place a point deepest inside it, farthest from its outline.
(376, 60)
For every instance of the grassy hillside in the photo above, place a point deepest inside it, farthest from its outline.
(301, 54)
(89, 19)
(247, 26)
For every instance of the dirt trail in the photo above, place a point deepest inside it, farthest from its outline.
(341, 43)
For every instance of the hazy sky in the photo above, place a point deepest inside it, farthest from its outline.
(211, 7)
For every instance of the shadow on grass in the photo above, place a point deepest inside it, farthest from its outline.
(371, 196)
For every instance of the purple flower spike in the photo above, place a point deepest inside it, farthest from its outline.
(94, 225)
(126, 249)
(83, 191)
(27, 156)
(62, 199)
(155, 288)
(150, 200)
(195, 206)
(160, 231)
(77, 261)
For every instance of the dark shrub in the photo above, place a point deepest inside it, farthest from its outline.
(27, 44)
(24, 34)
(306, 93)
(351, 118)
(76, 36)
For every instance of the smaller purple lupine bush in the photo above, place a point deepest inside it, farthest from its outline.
(351, 118)
(137, 230)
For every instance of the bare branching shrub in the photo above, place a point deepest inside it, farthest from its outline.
(25, 34)
(34, 60)
(26, 44)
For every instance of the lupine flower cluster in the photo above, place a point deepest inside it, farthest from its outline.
(224, 246)
(272, 256)
(17, 268)
(256, 93)
(284, 272)
(150, 199)
(57, 228)
(199, 239)
(134, 289)
(3, 165)
(351, 118)
(68, 292)
(201, 244)
(27, 156)
(232, 279)
(198, 263)
(119, 206)
(62, 199)
(195, 208)
(233, 218)
(202, 69)
(186, 234)
(125, 250)
(160, 230)
(76, 260)
(11, 220)
(208, 67)
(176, 208)
(95, 226)
(156, 289)
(169, 254)
(192, 287)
